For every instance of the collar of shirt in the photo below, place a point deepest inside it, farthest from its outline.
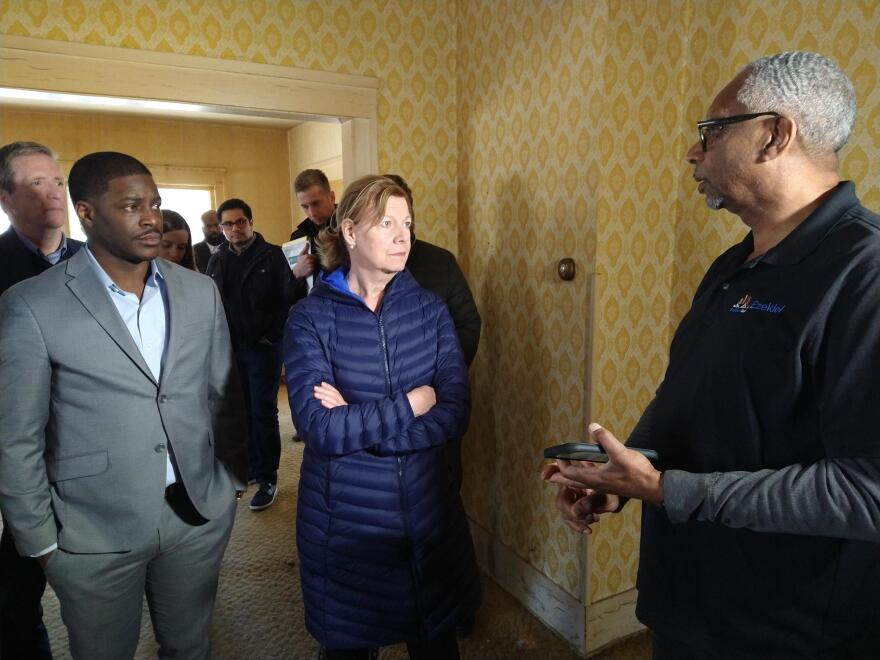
(154, 280)
(808, 234)
(145, 318)
(53, 257)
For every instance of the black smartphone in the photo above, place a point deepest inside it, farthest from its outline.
(583, 451)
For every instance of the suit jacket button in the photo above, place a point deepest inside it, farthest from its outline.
(159, 448)
(162, 398)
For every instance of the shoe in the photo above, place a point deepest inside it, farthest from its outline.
(252, 481)
(264, 497)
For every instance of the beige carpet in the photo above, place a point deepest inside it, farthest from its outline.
(259, 612)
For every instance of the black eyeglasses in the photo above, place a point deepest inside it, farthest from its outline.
(711, 127)
(241, 222)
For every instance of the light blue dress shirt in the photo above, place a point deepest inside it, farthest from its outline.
(147, 322)
(53, 257)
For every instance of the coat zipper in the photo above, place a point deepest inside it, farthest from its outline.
(404, 501)
(385, 356)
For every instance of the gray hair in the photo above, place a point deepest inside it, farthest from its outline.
(14, 150)
(809, 88)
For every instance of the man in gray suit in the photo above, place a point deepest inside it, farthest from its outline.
(122, 433)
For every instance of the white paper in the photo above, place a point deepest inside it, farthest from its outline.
(292, 250)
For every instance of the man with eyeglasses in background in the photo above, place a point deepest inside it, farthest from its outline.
(257, 288)
(761, 524)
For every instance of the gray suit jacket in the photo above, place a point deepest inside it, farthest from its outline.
(84, 427)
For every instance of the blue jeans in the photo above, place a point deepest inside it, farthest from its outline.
(259, 368)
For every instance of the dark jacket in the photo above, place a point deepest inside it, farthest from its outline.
(202, 254)
(265, 292)
(437, 270)
(303, 229)
(384, 546)
(19, 263)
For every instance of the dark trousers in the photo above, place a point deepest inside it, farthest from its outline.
(259, 368)
(666, 648)
(444, 647)
(22, 633)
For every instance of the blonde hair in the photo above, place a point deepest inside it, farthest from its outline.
(364, 201)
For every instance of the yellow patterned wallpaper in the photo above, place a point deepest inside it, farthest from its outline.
(526, 198)
(568, 116)
(409, 45)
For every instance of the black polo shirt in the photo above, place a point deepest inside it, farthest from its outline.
(777, 363)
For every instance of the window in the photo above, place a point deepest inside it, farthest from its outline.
(190, 202)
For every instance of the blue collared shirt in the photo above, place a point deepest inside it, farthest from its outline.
(147, 322)
(53, 257)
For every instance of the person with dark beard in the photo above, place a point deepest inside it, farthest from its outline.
(214, 239)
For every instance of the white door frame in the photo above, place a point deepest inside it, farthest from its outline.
(221, 86)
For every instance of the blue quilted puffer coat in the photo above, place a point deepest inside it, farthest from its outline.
(384, 547)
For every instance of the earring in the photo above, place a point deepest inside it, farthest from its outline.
(351, 246)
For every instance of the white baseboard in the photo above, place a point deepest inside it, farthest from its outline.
(586, 629)
(612, 619)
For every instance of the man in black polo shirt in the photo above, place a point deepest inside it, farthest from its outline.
(257, 288)
(761, 534)
(33, 196)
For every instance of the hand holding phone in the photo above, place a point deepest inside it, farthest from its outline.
(583, 451)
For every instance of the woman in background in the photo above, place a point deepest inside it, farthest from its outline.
(377, 385)
(176, 240)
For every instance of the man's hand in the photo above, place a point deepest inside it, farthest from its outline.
(305, 264)
(627, 473)
(422, 399)
(580, 508)
(329, 396)
(44, 559)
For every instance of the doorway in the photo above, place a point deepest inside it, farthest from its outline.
(201, 89)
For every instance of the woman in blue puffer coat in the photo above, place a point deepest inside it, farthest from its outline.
(377, 384)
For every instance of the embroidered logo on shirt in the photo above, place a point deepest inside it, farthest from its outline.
(747, 304)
